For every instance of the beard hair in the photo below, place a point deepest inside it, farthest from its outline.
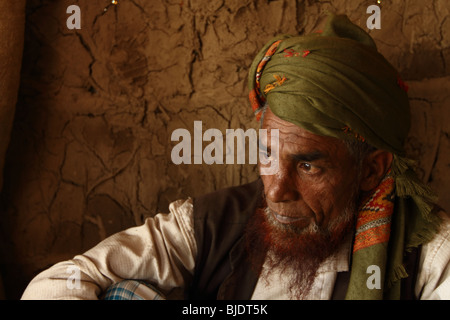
(295, 251)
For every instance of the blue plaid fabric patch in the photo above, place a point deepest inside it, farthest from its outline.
(132, 290)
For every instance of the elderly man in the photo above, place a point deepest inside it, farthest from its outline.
(344, 216)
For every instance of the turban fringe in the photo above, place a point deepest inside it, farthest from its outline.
(337, 84)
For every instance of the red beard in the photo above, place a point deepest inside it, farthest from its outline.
(301, 251)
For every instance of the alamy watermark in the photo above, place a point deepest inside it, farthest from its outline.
(374, 280)
(374, 21)
(74, 20)
(73, 281)
(220, 150)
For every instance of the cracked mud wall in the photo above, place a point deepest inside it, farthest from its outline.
(90, 148)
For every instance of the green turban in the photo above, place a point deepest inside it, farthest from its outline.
(336, 83)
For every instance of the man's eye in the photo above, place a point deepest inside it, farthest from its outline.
(266, 153)
(307, 167)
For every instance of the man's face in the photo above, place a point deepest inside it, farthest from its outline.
(315, 182)
(309, 204)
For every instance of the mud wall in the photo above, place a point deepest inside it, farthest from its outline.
(91, 143)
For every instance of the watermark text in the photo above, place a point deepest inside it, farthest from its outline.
(226, 150)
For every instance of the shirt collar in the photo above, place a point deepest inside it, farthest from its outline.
(340, 261)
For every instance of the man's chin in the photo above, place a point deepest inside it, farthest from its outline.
(296, 229)
(298, 224)
(293, 247)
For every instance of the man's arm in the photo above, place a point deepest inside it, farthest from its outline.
(161, 251)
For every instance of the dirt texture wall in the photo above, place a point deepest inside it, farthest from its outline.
(90, 152)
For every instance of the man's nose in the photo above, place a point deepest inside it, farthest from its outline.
(282, 187)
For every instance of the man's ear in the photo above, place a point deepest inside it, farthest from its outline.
(375, 167)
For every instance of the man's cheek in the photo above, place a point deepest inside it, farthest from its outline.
(321, 201)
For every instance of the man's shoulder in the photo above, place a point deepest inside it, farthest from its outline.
(441, 241)
(444, 228)
(436, 252)
(434, 274)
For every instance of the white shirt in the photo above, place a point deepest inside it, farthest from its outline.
(276, 286)
(162, 251)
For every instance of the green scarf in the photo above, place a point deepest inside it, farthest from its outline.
(336, 83)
